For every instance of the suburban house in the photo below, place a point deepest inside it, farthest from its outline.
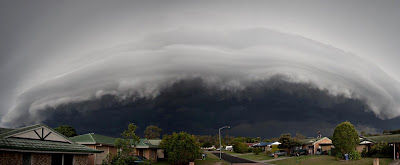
(316, 145)
(40, 145)
(149, 148)
(392, 140)
(365, 144)
(265, 146)
(98, 142)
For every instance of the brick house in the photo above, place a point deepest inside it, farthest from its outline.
(40, 145)
(316, 145)
(98, 142)
(149, 148)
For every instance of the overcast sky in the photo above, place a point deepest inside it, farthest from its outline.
(63, 58)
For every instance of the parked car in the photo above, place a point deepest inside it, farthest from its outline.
(279, 153)
(140, 159)
(299, 152)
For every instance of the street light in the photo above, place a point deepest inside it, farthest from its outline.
(220, 140)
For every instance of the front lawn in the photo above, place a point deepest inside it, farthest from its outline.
(327, 160)
(251, 156)
(211, 159)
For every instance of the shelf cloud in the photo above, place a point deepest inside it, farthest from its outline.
(224, 60)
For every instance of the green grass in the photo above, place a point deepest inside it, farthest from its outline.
(255, 157)
(327, 160)
(251, 156)
(210, 160)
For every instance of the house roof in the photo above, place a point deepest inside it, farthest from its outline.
(310, 140)
(91, 138)
(395, 138)
(43, 145)
(4, 130)
(262, 144)
(146, 143)
(10, 139)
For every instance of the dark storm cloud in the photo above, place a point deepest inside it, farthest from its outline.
(224, 60)
(265, 108)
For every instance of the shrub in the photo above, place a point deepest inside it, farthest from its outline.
(380, 150)
(249, 150)
(364, 152)
(257, 151)
(354, 155)
(345, 137)
(339, 156)
(240, 147)
(181, 148)
(274, 148)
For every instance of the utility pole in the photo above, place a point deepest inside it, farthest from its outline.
(220, 145)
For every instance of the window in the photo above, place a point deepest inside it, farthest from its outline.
(68, 159)
(61, 159)
(56, 159)
(26, 159)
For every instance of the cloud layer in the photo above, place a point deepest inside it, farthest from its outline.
(224, 60)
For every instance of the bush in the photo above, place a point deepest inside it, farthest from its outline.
(354, 155)
(364, 152)
(257, 151)
(240, 147)
(249, 150)
(339, 156)
(381, 150)
(180, 148)
(345, 137)
(274, 148)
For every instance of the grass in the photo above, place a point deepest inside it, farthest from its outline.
(251, 156)
(210, 160)
(327, 160)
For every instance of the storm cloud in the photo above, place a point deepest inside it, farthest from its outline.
(89, 61)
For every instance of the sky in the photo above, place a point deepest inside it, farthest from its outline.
(262, 67)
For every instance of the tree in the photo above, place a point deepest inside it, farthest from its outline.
(125, 148)
(152, 132)
(345, 137)
(66, 130)
(240, 147)
(181, 148)
(125, 144)
(287, 141)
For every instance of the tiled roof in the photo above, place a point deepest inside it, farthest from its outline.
(10, 143)
(43, 145)
(384, 138)
(309, 140)
(145, 143)
(92, 138)
(4, 130)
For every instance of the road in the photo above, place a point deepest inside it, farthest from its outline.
(232, 159)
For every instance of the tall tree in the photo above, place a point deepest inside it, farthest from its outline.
(129, 139)
(152, 132)
(287, 141)
(181, 148)
(66, 130)
(345, 137)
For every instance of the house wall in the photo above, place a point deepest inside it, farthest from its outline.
(40, 159)
(160, 153)
(360, 148)
(81, 160)
(91, 157)
(10, 158)
(324, 140)
(101, 156)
